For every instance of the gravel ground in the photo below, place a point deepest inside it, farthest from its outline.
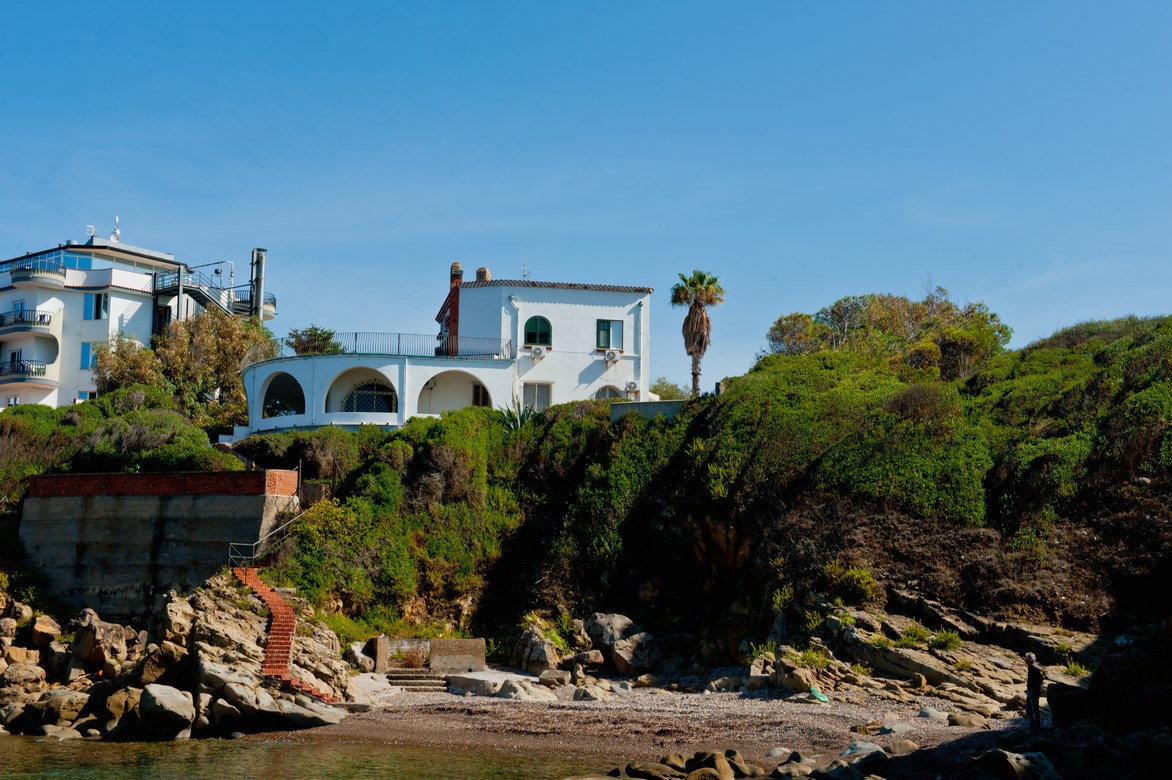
(642, 725)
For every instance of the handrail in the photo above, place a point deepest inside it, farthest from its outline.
(396, 344)
(26, 317)
(237, 556)
(52, 265)
(24, 368)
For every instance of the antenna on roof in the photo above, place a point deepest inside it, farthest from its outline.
(91, 231)
(525, 263)
(117, 234)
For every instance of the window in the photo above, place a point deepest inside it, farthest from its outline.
(538, 333)
(89, 353)
(13, 400)
(97, 306)
(480, 395)
(607, 392)
(87, 395)
(535, 396)
(609, 334)
(15, 358)
(17, 307)
(372, 397)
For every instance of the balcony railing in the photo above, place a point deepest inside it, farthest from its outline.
(389, 344)
(28, 268)
(24, 368)
(26, 317)
(242, 301)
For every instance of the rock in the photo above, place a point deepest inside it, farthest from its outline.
(22, 655)
(168, 662)
(635, 654)
(21, 613)
(864, 756)
(554, 678)
(534, 653)
(165, 712)
(7, 627)
(121, 704)
(588, 658)
(523, 690)
(592, 693)
(1003, 765)
(28, 678)
(44, 631)
(901, 747)
(99, 643)
(606, 629)
(967, 720)
(53, 731)
(174, 621)
(653, 771)
(304, 713)
(60, 705)
(934, 714)
(357, 658)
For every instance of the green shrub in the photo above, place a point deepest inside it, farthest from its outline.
(963, 665)
(945, 639)
(1075, 669)
(914, 635)
(810, 658)
(756, 651)
(879, 641)
(850, 584)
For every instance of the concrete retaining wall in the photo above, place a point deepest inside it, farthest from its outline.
(118, 542)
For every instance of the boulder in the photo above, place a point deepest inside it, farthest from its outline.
(534, 653)
(523, 690)
(587, 658)
(53, 731)
(99, 643)
(28, 678)
(304, 713)
(21, 613)
(60, 706)
(44, 630)
(22, 655)
(967, 720)
(167, 663)
(589, 692)
(359, 659)
(173, 623)
(554, 678)
(1003, 765)
(121, 705)
(165, 712)
(606, 629)
(635, 654)
(7, 627)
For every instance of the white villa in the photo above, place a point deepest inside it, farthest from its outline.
(499, 343)
(58, 305)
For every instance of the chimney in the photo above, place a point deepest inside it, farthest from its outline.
(482, 274)
(457, 275)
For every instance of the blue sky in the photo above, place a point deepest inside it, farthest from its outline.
(1015, 153)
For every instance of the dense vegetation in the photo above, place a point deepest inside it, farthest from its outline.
(1034, 483)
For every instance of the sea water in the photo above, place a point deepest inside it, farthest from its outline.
(223, 759)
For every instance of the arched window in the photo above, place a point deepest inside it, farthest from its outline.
(538, 333)
(373, 397)
(607, 392)
(283, 397)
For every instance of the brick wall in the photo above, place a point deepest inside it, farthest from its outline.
(274, 482)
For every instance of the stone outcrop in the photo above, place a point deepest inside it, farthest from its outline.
(632, 650)
(200, 674)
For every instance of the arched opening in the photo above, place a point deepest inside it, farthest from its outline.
(538, 332)
(449, 390)
(283, 397)
(607, 392)
(362, 391)
(371, 397)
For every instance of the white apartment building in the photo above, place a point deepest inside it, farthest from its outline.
(58, 305)
(500, 343)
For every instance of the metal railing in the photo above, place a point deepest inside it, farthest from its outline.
(26, 317)
(242, 301)
(30, 368)
(39, 264)
(390, 344)
(243, 555)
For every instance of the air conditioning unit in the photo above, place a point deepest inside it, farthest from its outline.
(632, 385)
(538, 353)
(612, 355)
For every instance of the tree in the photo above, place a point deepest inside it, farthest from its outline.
(201, 357)
(125, 362)
(797, 334)
(668, 391)
(698, 292)
(314, 340)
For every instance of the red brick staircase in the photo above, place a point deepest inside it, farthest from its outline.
(282, 626)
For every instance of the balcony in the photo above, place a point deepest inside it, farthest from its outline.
(43, 271)
(242, 304)
(32, 372)
(26, 321)
(391, 344)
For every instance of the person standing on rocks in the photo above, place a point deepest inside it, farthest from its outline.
(1034, 679)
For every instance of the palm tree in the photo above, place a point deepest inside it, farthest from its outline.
(697, 292)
